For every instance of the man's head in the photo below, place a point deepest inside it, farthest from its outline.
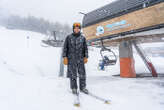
(76, 27)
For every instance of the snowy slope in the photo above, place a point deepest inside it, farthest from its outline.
(29, 79)
(26, 56)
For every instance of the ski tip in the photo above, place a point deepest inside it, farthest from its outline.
(77, 105)
(107, 102)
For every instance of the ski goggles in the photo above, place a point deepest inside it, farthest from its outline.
(76, 25)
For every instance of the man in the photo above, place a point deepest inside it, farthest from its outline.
(75, 54)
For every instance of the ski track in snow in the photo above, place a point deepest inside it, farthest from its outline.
(29, 79)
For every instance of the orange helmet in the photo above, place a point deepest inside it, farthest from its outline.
(77, 25)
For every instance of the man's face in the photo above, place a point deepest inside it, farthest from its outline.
(76, 30)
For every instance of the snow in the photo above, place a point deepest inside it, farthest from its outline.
(26, 56)
(29, 79)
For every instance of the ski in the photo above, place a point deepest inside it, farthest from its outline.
(76, 100)
(98, 98)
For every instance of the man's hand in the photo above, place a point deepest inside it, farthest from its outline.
(65, 61)
(85, 60)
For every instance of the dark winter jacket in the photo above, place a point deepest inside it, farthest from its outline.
(75, 48)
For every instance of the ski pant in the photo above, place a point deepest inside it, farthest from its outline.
(74, 71)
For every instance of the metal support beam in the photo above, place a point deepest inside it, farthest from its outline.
(146, 60)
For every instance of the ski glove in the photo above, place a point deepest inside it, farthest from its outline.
(65, 61)
(85, 60)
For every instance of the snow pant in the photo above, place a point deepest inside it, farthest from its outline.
(74, 71)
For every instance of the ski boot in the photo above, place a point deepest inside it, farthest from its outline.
(84, 90)
(74, 91)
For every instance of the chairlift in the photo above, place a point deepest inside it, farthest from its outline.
(108, 56)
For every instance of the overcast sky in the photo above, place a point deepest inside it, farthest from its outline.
(65, 11)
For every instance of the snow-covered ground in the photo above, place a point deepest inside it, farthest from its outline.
(29, 79)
